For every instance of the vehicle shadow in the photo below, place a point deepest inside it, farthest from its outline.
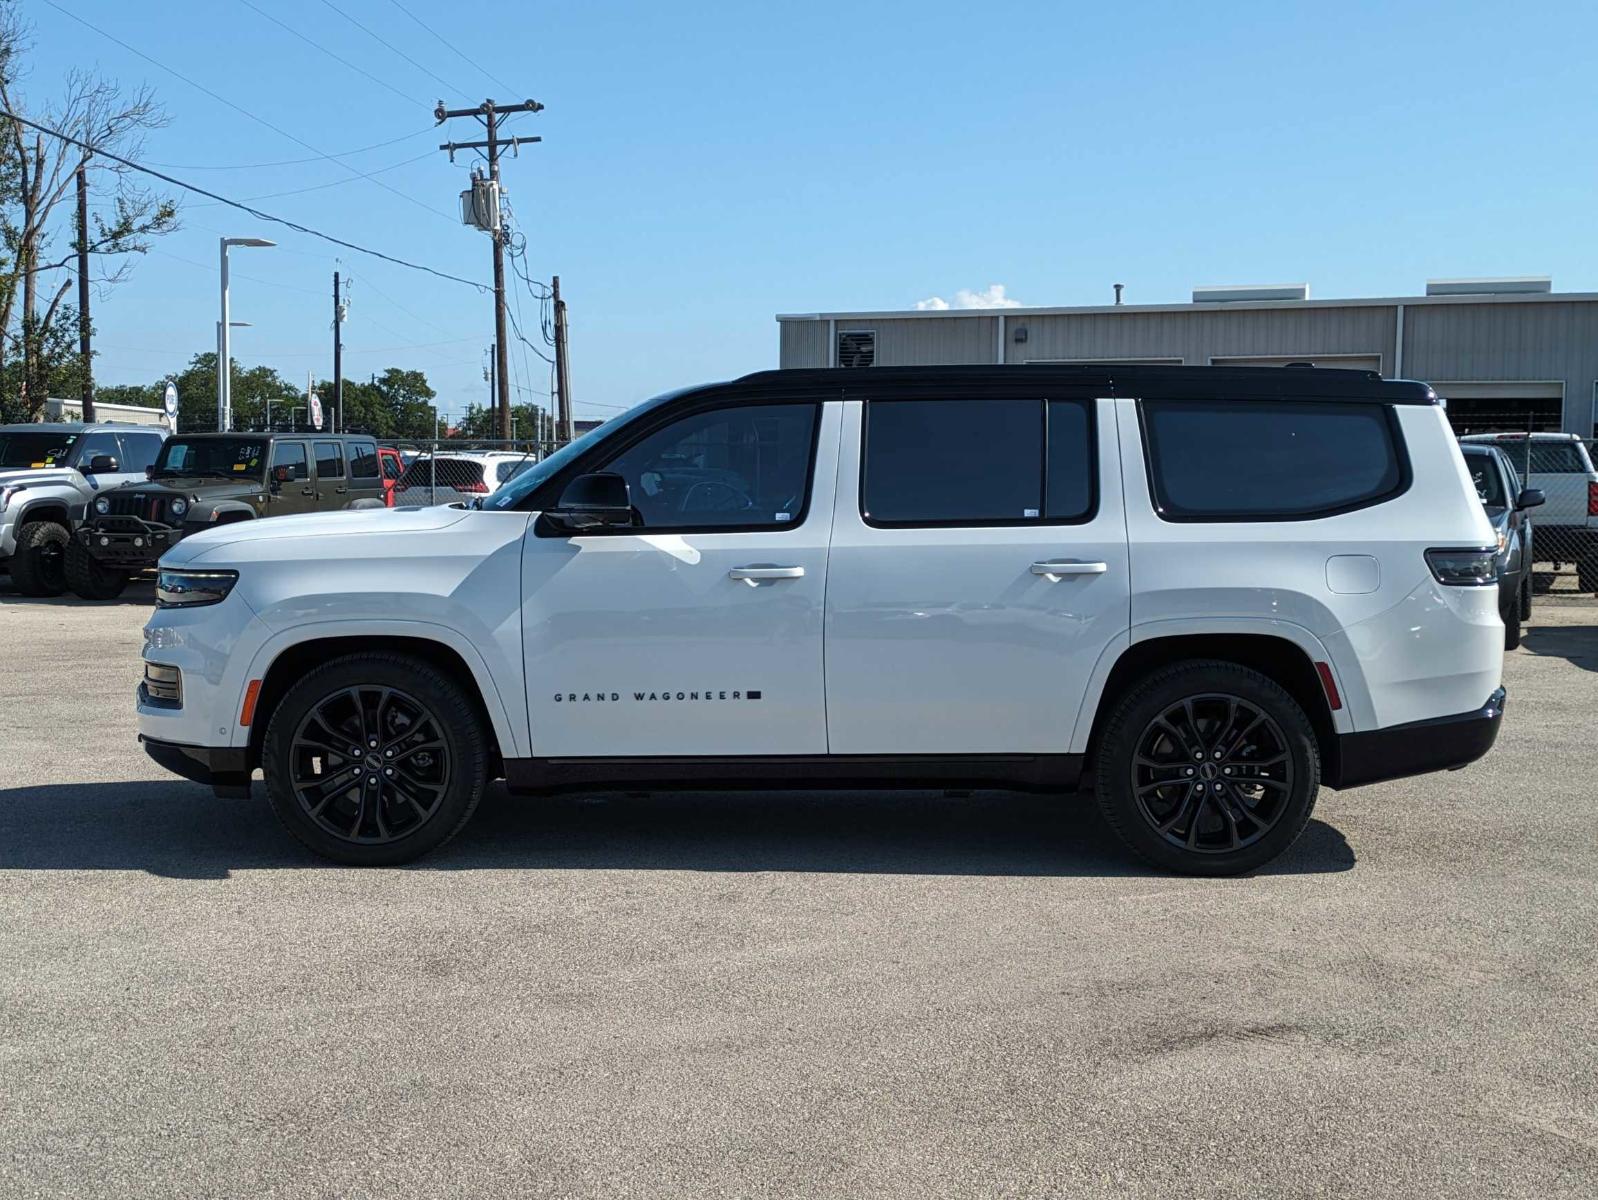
(180, 830)
(1577, 643)
(140, 593)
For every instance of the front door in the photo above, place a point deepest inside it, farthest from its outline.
(698, 631)
(978, 571)
(290, 488)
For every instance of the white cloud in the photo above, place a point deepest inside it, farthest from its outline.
(991, 296)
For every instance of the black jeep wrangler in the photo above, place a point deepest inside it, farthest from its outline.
(205, 479)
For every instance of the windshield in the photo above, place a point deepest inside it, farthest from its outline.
(31, 449)
(228, 458)
(527, 481)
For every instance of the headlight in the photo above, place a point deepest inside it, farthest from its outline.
(190, 589)
(7, 493)
(102, 505)
(178, 507)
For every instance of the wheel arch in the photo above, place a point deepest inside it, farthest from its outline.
(50, 508)
(291, 662)
(1278, 658)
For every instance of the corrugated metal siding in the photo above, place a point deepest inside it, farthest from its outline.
(932, 340)
(1200, 335)
(1480, 342)
(803, 344)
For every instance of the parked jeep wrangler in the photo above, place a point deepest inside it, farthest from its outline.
(207, 479)
(48, 473)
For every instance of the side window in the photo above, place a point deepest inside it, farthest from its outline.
(363, 460)
(99, 443)
(1261, 460)
(1556, 458)
(329, 460)
(730, 468)
(506, 471)
(291, 455)
(393, 468)
(139, 450)
(976, 462)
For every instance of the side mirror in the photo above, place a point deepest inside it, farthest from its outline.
(598, 501)
(1531, 498)
(102, 464)
(149, 472)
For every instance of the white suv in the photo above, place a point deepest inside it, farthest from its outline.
(1203, 592)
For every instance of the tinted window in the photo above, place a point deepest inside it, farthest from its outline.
(291, 455)
(941, 461)
(231, 458)
(1485, 477)
(1555, 458)
(733, 468)
(509, 470)
(29, 449)
(1263, 459)
(329, 460)
(1068, 483)
(458, 473)
(139, 450)
(363, 460)
(98, 443)
(393, 468)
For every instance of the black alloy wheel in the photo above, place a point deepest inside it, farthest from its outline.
(375, 759)
(1207, 767)
(1212, 774)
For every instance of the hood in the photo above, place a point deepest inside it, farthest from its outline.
(328, 524)
(188, 485)
(12, 476)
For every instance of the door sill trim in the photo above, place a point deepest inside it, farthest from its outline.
(1020, 772)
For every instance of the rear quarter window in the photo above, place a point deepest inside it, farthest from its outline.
(1557, 458)
(1260, 460)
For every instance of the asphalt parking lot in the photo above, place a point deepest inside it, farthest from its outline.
(893, 995)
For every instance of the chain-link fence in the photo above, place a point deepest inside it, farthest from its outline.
(1565, 526)
(456, 470)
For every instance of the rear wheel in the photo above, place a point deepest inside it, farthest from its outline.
(90, 579)
(1208, 768)
(375, 759)
(37, 567)
(1510, 612)
(1525, 600)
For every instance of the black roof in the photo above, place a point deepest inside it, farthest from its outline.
(1114, 379)
(320, 435)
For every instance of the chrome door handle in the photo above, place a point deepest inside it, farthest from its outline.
(758, 571)
(1054, 570)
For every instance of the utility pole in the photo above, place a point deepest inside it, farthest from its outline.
(338, 357)
(491, 116)
(493, 381)
(83, 292)
(563, 382)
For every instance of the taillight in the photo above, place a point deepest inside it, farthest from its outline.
(478, 488)
(1463, 568)
(1592, 497)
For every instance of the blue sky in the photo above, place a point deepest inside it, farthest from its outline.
(708, 165)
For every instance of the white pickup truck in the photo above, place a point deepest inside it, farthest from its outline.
(1567, 526)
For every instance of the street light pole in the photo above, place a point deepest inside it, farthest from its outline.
(224, 381)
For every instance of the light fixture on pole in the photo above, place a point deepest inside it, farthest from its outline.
(224, 383)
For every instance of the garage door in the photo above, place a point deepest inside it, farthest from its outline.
(1513, 406)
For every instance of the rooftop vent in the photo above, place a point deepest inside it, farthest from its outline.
(857, 347)
(1263, 291)
(1512, 285)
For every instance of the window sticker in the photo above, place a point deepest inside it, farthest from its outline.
(783, 517)
(1029, 512)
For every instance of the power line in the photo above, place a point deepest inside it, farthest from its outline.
(444, 82)
(383, 83)
(289, 162)
(221, 99)
(257, 213)
(318, 187)
(494, 79)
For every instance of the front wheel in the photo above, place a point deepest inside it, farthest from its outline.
(1208, 768)
(375, 759)
(88, 578)
(36, 567)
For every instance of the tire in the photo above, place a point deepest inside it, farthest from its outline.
(1511, 615)
(1587, 574)
(1266, 772)
(88, 578)
(37, 566)
(446, 771)
(1525, 600)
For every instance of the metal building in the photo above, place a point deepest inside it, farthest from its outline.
(1507, 353)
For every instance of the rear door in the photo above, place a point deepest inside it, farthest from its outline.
(366, 480)
(332, 485)
(978, 570)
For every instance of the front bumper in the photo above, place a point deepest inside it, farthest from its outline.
(225, 768)
(127, 542)
(1415, 748)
